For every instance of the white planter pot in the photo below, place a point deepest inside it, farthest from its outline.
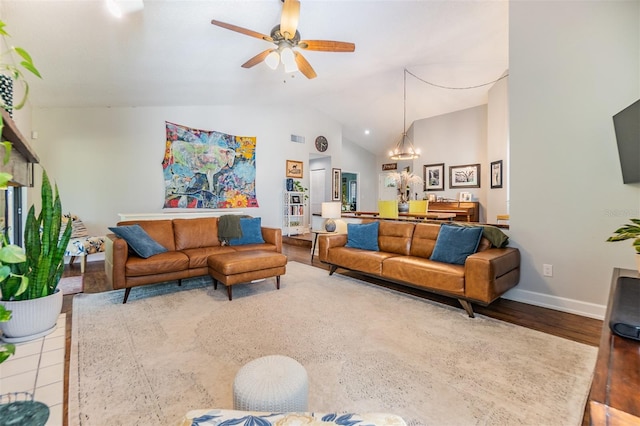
(638, 261)
(31, 319)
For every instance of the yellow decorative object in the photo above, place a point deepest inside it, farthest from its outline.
(418, 206)
(388, 209)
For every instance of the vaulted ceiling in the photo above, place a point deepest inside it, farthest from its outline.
(169, 54)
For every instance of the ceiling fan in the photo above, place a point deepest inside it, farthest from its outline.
(286, 37)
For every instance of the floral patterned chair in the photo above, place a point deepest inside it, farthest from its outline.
(81, 243)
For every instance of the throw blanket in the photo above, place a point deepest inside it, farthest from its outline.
(496, 237)
(229, 227)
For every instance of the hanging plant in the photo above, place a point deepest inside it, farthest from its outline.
(7, 67)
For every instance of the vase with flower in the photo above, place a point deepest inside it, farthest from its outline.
(404, 180)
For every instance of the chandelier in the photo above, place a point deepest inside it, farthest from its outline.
(404, 149)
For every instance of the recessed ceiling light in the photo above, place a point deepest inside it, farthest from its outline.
(366, 132)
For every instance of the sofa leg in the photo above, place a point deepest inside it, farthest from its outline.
(126, 295)
(278, 282)
(215, 284)
(180, 282)
(332, 269)
(467, 307)
(229, 291)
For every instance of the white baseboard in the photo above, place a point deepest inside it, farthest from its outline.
(585, 309)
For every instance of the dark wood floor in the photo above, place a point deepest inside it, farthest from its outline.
(569, 326)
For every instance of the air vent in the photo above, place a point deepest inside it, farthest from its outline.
(297, 139)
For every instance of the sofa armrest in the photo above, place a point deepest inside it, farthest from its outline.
(325, 242)
(490, 273)
(273, 236)
(115, 260)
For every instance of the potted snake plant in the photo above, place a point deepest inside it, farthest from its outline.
(31, 293)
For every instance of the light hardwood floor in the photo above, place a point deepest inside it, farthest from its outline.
(569, 326)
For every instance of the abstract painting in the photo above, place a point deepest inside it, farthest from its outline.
(205, 169)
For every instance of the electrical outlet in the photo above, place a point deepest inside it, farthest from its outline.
(547, 270)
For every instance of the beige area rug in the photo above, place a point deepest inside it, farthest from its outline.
(71, 285)
(173, 349)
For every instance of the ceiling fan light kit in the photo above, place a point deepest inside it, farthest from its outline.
(286, 38)
(404, 149)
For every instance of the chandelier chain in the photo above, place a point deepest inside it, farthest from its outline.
(454, 88)
(404, 113)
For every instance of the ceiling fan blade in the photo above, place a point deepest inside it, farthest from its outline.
(242, 30)
(304, 66)
(327, 45)
(257, 59)
(289, 18)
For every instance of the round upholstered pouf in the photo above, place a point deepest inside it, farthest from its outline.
(271, 383)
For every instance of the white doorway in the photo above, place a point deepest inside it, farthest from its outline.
(317, 190)
(350, 192)
(387, 187)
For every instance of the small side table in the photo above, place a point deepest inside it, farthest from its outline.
(315, 239)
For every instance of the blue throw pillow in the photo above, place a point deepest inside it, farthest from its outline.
(138, 239)
(455, 243)
(251, 232)
(363, 235)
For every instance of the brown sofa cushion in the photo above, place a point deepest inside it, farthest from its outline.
(424, 239)
(160, 230)
(395, 237)
(196, 233)
(162, 263)
(425, 273)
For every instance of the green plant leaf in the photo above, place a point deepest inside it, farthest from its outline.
(5, 178)
(5, 271)
(5, 314)
(23, 54)
(7, 151)
(12, 254)
(6, 350)
(24, 285)
(31, 68)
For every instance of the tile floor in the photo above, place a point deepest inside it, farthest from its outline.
(38, 367)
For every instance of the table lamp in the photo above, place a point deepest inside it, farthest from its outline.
(331, 211)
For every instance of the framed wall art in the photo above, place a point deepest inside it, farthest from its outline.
(496, 174)
(294, 169)
(433, 177)
(466, 176)
(336, 185)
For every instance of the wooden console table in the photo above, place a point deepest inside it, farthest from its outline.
(467, 211)
(614, 398)
(411, 217)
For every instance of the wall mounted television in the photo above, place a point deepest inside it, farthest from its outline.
(627, 127)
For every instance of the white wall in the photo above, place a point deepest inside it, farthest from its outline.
(108, 160)
(498, 148)
(320, 163)
(455, 139)
(356, 159)
(573, 64)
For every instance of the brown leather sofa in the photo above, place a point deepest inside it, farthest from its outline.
(189, 242)
(403, 257)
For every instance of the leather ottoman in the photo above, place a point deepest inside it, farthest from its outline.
(245, 266)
